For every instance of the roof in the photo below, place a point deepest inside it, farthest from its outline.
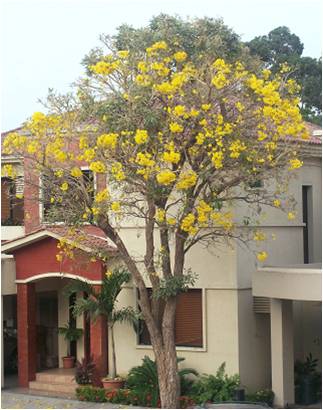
(88, 238)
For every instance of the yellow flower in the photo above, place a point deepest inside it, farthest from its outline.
(115, 206)
(117, 172)
(160, 45)
(76, 172)
(38, 116)
(102, 196)
(142, 66)
(108, 274)
(123, 53)
(165, 177)
(291, 216)
(144, 159)
(206, 107)
(171, 221)
(160, 215)
(259, 236)
(179, 110)
(277, 203)
(187, 180)
(59, 173)
(180, 56)
(64, 186)
(107, 140)
(59, 257)
(141, 136)
(295, 163)
(187, 224)
(104, 68)
(97, 167)
(171, 157)
(262, 256)
(175, 127)
(89, 154)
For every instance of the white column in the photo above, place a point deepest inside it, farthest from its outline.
(282, 351)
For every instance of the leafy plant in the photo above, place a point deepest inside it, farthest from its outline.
(143, 381)
(307, 368)
(210, 388)
(70, 334)
(89, 393)
(262, 396)
(85, 371)
(104, 303)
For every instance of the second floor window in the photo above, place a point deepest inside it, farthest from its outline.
(12, 207)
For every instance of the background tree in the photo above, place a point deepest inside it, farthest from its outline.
(181, 138)
(281, 46)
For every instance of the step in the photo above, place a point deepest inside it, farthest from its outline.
(55, 378)
(53, 387)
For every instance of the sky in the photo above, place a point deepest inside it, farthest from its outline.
(44, 41)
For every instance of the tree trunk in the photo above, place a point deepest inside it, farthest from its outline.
(166, 359)
(113, 372)
(169, 384)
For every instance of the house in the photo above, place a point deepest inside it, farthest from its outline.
(256, 319)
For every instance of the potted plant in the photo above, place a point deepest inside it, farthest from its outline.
(70, 334)
(103, 303)
(85, 371)
(307, 381)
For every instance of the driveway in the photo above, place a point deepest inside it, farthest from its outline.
(14, 400)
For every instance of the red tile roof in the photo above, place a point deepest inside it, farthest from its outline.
(88, 236)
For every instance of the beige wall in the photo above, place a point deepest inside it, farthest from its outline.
(220, 335)
(254, 344)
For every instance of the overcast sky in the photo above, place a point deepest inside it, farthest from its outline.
(44, 41)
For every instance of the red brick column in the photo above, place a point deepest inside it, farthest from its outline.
(99, 342)
(26, 317)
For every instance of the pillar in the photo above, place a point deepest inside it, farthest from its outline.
(26, 328)
(282, 351)
(99, 342)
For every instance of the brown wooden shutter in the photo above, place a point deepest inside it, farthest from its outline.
(188, 323)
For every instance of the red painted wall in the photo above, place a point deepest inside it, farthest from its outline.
(40, 257)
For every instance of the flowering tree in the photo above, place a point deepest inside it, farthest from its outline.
(180, 141)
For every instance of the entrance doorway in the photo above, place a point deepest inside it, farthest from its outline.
(47, 330)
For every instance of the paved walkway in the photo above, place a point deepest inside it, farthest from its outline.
(14, 400)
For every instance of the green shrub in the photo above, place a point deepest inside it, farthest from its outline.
(262, 396)
(143, 382)
(89, 393)
(210, 388)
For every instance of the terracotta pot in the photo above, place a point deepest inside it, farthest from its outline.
(68, 362)
(112, 384)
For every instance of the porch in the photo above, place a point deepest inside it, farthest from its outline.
(286, 286)
(39, 279)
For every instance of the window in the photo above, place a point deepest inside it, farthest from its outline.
(52, 213)
(307, 210)
(188, 321)
(257, 184)
(12, 208)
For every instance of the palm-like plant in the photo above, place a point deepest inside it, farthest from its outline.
(103, 303)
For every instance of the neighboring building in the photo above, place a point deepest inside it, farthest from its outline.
(237, 313)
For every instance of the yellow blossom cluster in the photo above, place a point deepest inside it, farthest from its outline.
(186, 180)
(166, 177)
